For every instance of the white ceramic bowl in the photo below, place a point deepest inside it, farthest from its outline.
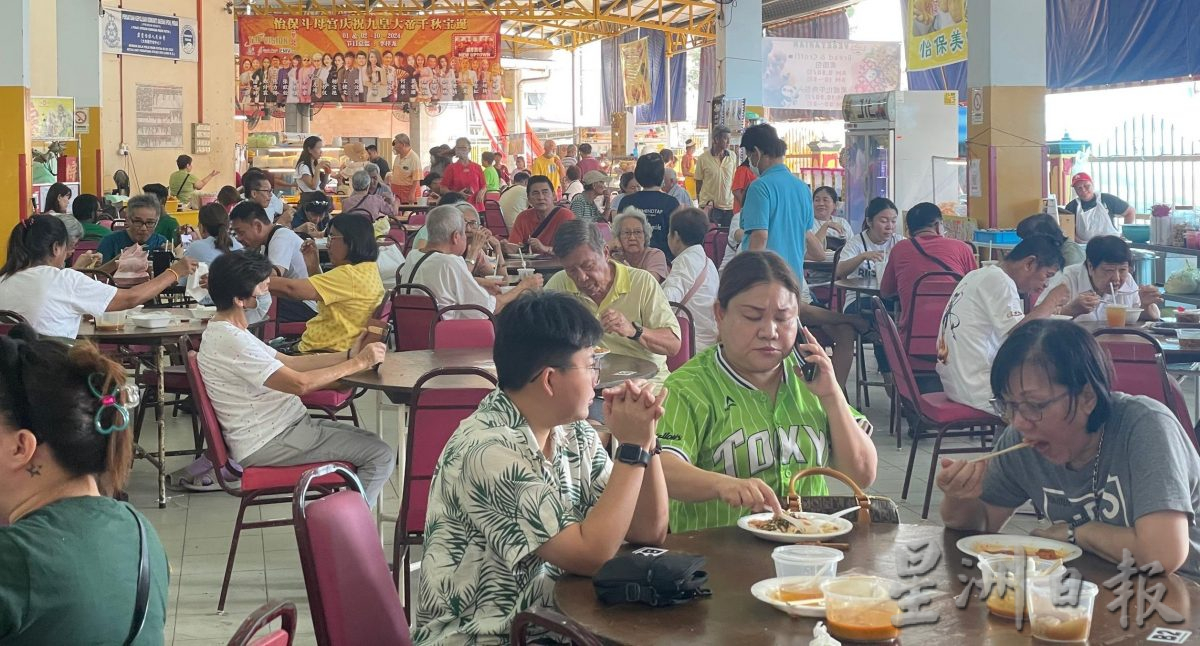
(1132, 314)
(153, 320)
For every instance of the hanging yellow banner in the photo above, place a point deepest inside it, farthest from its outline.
(935, 33)
(635, 70)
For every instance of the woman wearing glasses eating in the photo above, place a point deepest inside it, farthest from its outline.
(1111, 472)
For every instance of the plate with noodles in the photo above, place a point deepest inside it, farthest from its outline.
(816, 527)
(1043, 548)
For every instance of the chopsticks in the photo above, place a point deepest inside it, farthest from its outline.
(989, 456)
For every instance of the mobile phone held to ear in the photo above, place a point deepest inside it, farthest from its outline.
(808, 370)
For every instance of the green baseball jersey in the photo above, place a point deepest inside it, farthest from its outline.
(718, 421)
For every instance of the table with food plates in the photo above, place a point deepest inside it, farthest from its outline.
(181, 322)
(736, 561)
(545, 264)
(1163, 331)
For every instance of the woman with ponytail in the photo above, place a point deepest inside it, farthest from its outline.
(215, 239)
(34, 284)
(75, 566)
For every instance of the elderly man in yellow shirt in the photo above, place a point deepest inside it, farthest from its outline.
(638, 321)
(550, 165)
(346, 295)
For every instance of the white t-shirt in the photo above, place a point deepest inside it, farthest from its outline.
(235, 365)
(512, 202)
(275, 207)
(832, 232)
(302, 170)
(1078, 281)
(447, 276)
(861, 243)
(685, 270)
(984, 308)
(54, 300)
(283, 250)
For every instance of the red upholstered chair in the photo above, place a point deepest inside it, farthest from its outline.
(10, 319)
(397, 235)
(333, 401)
(106, 223)
(554, 622)
(605, 230)
(259, 485)
(414, 309)
(462, 333)
(353, 601)
(931, 293)
(434, 414)
(493, 219)
(417, 218)
(82, 247)
(1139, 369)
(716, 242)
(929, 410)
(250, 632)
(687, 338)
(824, 290)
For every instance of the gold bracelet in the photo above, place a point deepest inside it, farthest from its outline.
(177, 276)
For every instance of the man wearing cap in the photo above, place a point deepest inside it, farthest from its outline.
(405, 177)
(595, 187)
(1094, 211)
(714, 172)
(687, 167)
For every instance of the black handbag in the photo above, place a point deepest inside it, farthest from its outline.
(651, 576)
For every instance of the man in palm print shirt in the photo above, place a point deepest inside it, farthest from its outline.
(524, 490)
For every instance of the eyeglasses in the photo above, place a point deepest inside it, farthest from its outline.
(636, 233)
(146, 224)
(1029, 411)
(472, 224)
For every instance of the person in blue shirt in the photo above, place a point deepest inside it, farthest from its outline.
(141, 217)
(777, 215)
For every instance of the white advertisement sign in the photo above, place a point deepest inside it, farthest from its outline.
(815, 73)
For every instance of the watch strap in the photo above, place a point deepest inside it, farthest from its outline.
(633, 454)
(637, 331)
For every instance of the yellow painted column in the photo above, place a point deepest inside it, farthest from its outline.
(1006, 119)
(15, 166)
(91, 155)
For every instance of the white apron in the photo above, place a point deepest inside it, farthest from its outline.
(1094, 222)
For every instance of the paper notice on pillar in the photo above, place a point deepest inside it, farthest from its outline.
(635, 71)
(148, 34)
(975, 178)
(816, 73)
(935, 33)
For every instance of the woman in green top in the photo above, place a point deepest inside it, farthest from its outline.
(70, 556)
(742, 417)
(491, 177)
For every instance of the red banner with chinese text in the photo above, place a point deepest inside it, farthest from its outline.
(367, 58)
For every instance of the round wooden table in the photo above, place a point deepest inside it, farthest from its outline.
(157, 339)
(401, 370)
(736, 560)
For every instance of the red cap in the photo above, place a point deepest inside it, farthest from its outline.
(1080, 178)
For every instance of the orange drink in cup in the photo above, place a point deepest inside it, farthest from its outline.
(1114, 315)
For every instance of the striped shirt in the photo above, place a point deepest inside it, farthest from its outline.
(718, 421)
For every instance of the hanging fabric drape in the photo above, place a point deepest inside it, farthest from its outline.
(612, 85)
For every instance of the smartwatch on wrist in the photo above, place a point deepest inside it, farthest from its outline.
(637, 332)
(633, 454)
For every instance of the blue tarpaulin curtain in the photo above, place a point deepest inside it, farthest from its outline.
(613, 85)
(1093, 43)
(1103, 42)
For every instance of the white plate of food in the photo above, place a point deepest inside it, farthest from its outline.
(817, 527)
(797, 603)
(599, 352)
(1043, 548)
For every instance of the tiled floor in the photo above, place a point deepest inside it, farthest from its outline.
(196, 528)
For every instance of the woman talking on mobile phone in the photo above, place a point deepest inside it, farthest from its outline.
(746, 415)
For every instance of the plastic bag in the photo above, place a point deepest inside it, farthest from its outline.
(1184, 281)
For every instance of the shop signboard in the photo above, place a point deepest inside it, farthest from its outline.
(815, 73)
(375, 57)
(147, 34)
(52, 118)
(635, 71)
(935, 33)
